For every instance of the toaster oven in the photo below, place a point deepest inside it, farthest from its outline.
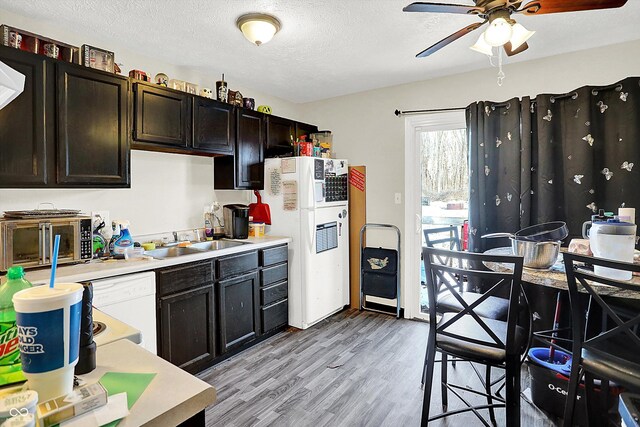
(29, 242)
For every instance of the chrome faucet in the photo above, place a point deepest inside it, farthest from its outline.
(175, 236)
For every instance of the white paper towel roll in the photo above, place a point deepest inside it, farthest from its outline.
(627, 215)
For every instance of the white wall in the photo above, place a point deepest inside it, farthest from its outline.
(168, 191)
(367, 132)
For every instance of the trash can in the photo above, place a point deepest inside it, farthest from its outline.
(550, 384)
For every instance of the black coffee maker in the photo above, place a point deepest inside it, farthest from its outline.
(236, 221)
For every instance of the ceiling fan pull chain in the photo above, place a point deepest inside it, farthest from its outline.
(501, 74)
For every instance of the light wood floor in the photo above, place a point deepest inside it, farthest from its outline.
(353, 369)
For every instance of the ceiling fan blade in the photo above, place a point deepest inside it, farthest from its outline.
(442, 8)
(453, 37)
(540, 7)
(511, 52)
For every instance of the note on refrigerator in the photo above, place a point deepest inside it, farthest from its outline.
(275, 181)
(290, 195)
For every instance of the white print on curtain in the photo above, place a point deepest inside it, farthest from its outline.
(509, 136)
(498, 142)
(548, 116)
(589, 139)
(623, 96)
(603, 106)
(577, 178)
(607, 173)
(593, 207)
(498, 200)
(628, 166)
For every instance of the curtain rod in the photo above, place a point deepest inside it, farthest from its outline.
(435, 110)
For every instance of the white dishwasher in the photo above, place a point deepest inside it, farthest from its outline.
(132, 300)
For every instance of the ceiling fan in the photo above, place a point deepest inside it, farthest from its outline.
(503, 30)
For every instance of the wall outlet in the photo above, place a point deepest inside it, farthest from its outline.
(97, 217)
(398, 198)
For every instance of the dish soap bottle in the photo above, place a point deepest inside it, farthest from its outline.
(115, 233)
(124, 241)
(10, 366)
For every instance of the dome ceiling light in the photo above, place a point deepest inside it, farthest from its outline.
(258, 28)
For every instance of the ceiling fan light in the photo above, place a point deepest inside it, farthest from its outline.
(258, 28)
(498, 33)
(482, 46)
(519, 36)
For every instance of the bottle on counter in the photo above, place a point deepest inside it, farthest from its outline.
(10, 366)
(124, 240)
(115, 233)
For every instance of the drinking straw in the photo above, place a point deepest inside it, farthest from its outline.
(54, 260)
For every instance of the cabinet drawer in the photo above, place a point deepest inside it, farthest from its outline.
(274, 315)
(273, 274)
(181, 277)
(273, 256)
(237, 264)
(274, 293)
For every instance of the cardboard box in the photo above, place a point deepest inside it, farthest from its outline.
(79, 401)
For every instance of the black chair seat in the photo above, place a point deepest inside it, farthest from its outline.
(469, 328)
(614, 359)
(492, 308)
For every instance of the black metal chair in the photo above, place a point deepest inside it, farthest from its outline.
(492, 308)
(468, 336)
(612, 353)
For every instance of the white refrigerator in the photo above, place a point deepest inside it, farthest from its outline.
(308, 201)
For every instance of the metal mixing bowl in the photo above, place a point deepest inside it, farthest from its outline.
(540, 255)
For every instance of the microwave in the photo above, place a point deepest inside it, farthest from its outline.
(29, 242)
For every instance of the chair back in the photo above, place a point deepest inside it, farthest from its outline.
(623, 325)
(433, 238)
(442, 275)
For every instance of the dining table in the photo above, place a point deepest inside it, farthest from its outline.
(555, 277)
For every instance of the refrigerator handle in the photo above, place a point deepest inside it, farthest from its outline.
(310, 191)
(312, 230)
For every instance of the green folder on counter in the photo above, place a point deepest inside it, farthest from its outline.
(134, 384)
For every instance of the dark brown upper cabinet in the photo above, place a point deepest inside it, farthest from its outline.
(281, 133)
(23, 131)
(67, 129)
(305, 129)
(245, 170)
(91, 127)
(214, 126)
(161, 118)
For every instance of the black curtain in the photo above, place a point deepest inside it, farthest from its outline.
(576, 153)
(499, 169)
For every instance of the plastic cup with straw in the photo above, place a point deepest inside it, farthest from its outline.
(48, 320)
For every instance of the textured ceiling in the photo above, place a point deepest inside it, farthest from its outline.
(326, 48)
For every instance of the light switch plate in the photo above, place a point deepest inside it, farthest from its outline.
(398, 198)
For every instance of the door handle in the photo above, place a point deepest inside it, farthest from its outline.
(418, 223)
(42, 255)
(49, 232)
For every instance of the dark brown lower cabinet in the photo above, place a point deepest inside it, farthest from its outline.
(187, 328)
(238, 308)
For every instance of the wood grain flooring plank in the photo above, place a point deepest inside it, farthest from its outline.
(353, 369)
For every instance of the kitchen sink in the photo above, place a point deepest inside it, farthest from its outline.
(172, 252)
(215, 245)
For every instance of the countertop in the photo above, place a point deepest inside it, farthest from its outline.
(558, 279)
(98, 269)
(173, 395)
